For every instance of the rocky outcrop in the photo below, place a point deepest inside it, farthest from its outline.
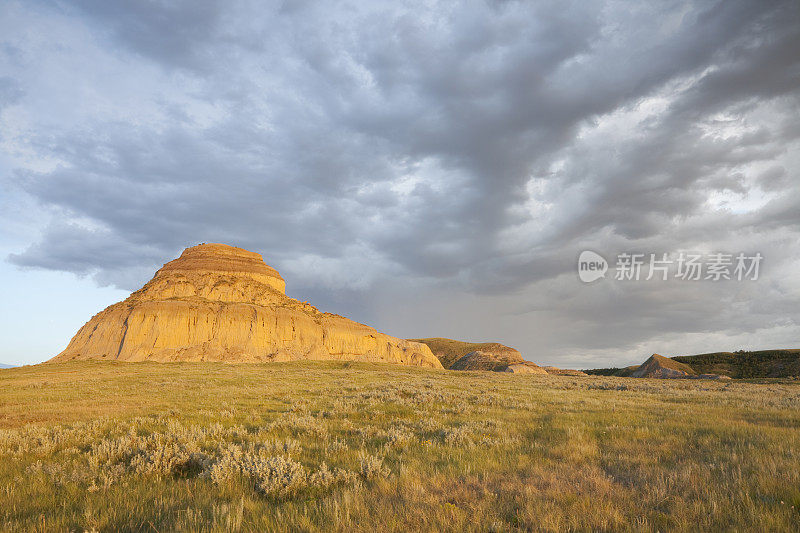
(563, 371)
(449, 350)
(459, 355)
(662, 367)
(222, 303)
(525, 368)
(710, 376)
(496, 358)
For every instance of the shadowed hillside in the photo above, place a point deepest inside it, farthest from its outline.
(613, 371)
(737, 365)
(744, 365)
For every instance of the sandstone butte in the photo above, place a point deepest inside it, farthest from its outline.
(222, 303)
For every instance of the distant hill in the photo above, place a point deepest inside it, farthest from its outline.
(562, 371)
(503, 359)
(613, 371)
(744, 365)
(2, 365)
(493, 356)
(662, 367)
(738, 365)
(449, 351)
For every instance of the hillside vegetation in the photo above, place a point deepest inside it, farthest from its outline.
(737, 365)
(334, 446)
(744, 365)
(612, 371)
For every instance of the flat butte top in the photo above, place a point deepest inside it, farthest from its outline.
(224, 259)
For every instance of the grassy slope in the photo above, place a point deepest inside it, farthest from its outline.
(459, 450)
(449, 351)
(742, 365)
(739, 365)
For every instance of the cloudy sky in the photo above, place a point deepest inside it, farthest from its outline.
(429, 168)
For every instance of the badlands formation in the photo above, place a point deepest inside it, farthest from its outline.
(485, 356)
(497, 358)
(222, 303)
(658, 366)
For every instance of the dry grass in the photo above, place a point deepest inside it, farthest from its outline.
(351, 447)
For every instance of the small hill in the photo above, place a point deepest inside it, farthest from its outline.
(526, 368)
(486, 356)
(662, 367)
(449, 351)
(563, 371)
(496, 360)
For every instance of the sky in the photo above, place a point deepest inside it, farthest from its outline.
(428, 168)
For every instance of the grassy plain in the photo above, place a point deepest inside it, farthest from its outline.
(353, 447)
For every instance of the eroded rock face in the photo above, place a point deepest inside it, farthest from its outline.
(222, 303)
(497, 358)
(525, 368)
(658, 366)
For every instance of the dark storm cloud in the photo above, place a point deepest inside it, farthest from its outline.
(466, 148)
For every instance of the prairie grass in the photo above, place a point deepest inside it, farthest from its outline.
(327, 446)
